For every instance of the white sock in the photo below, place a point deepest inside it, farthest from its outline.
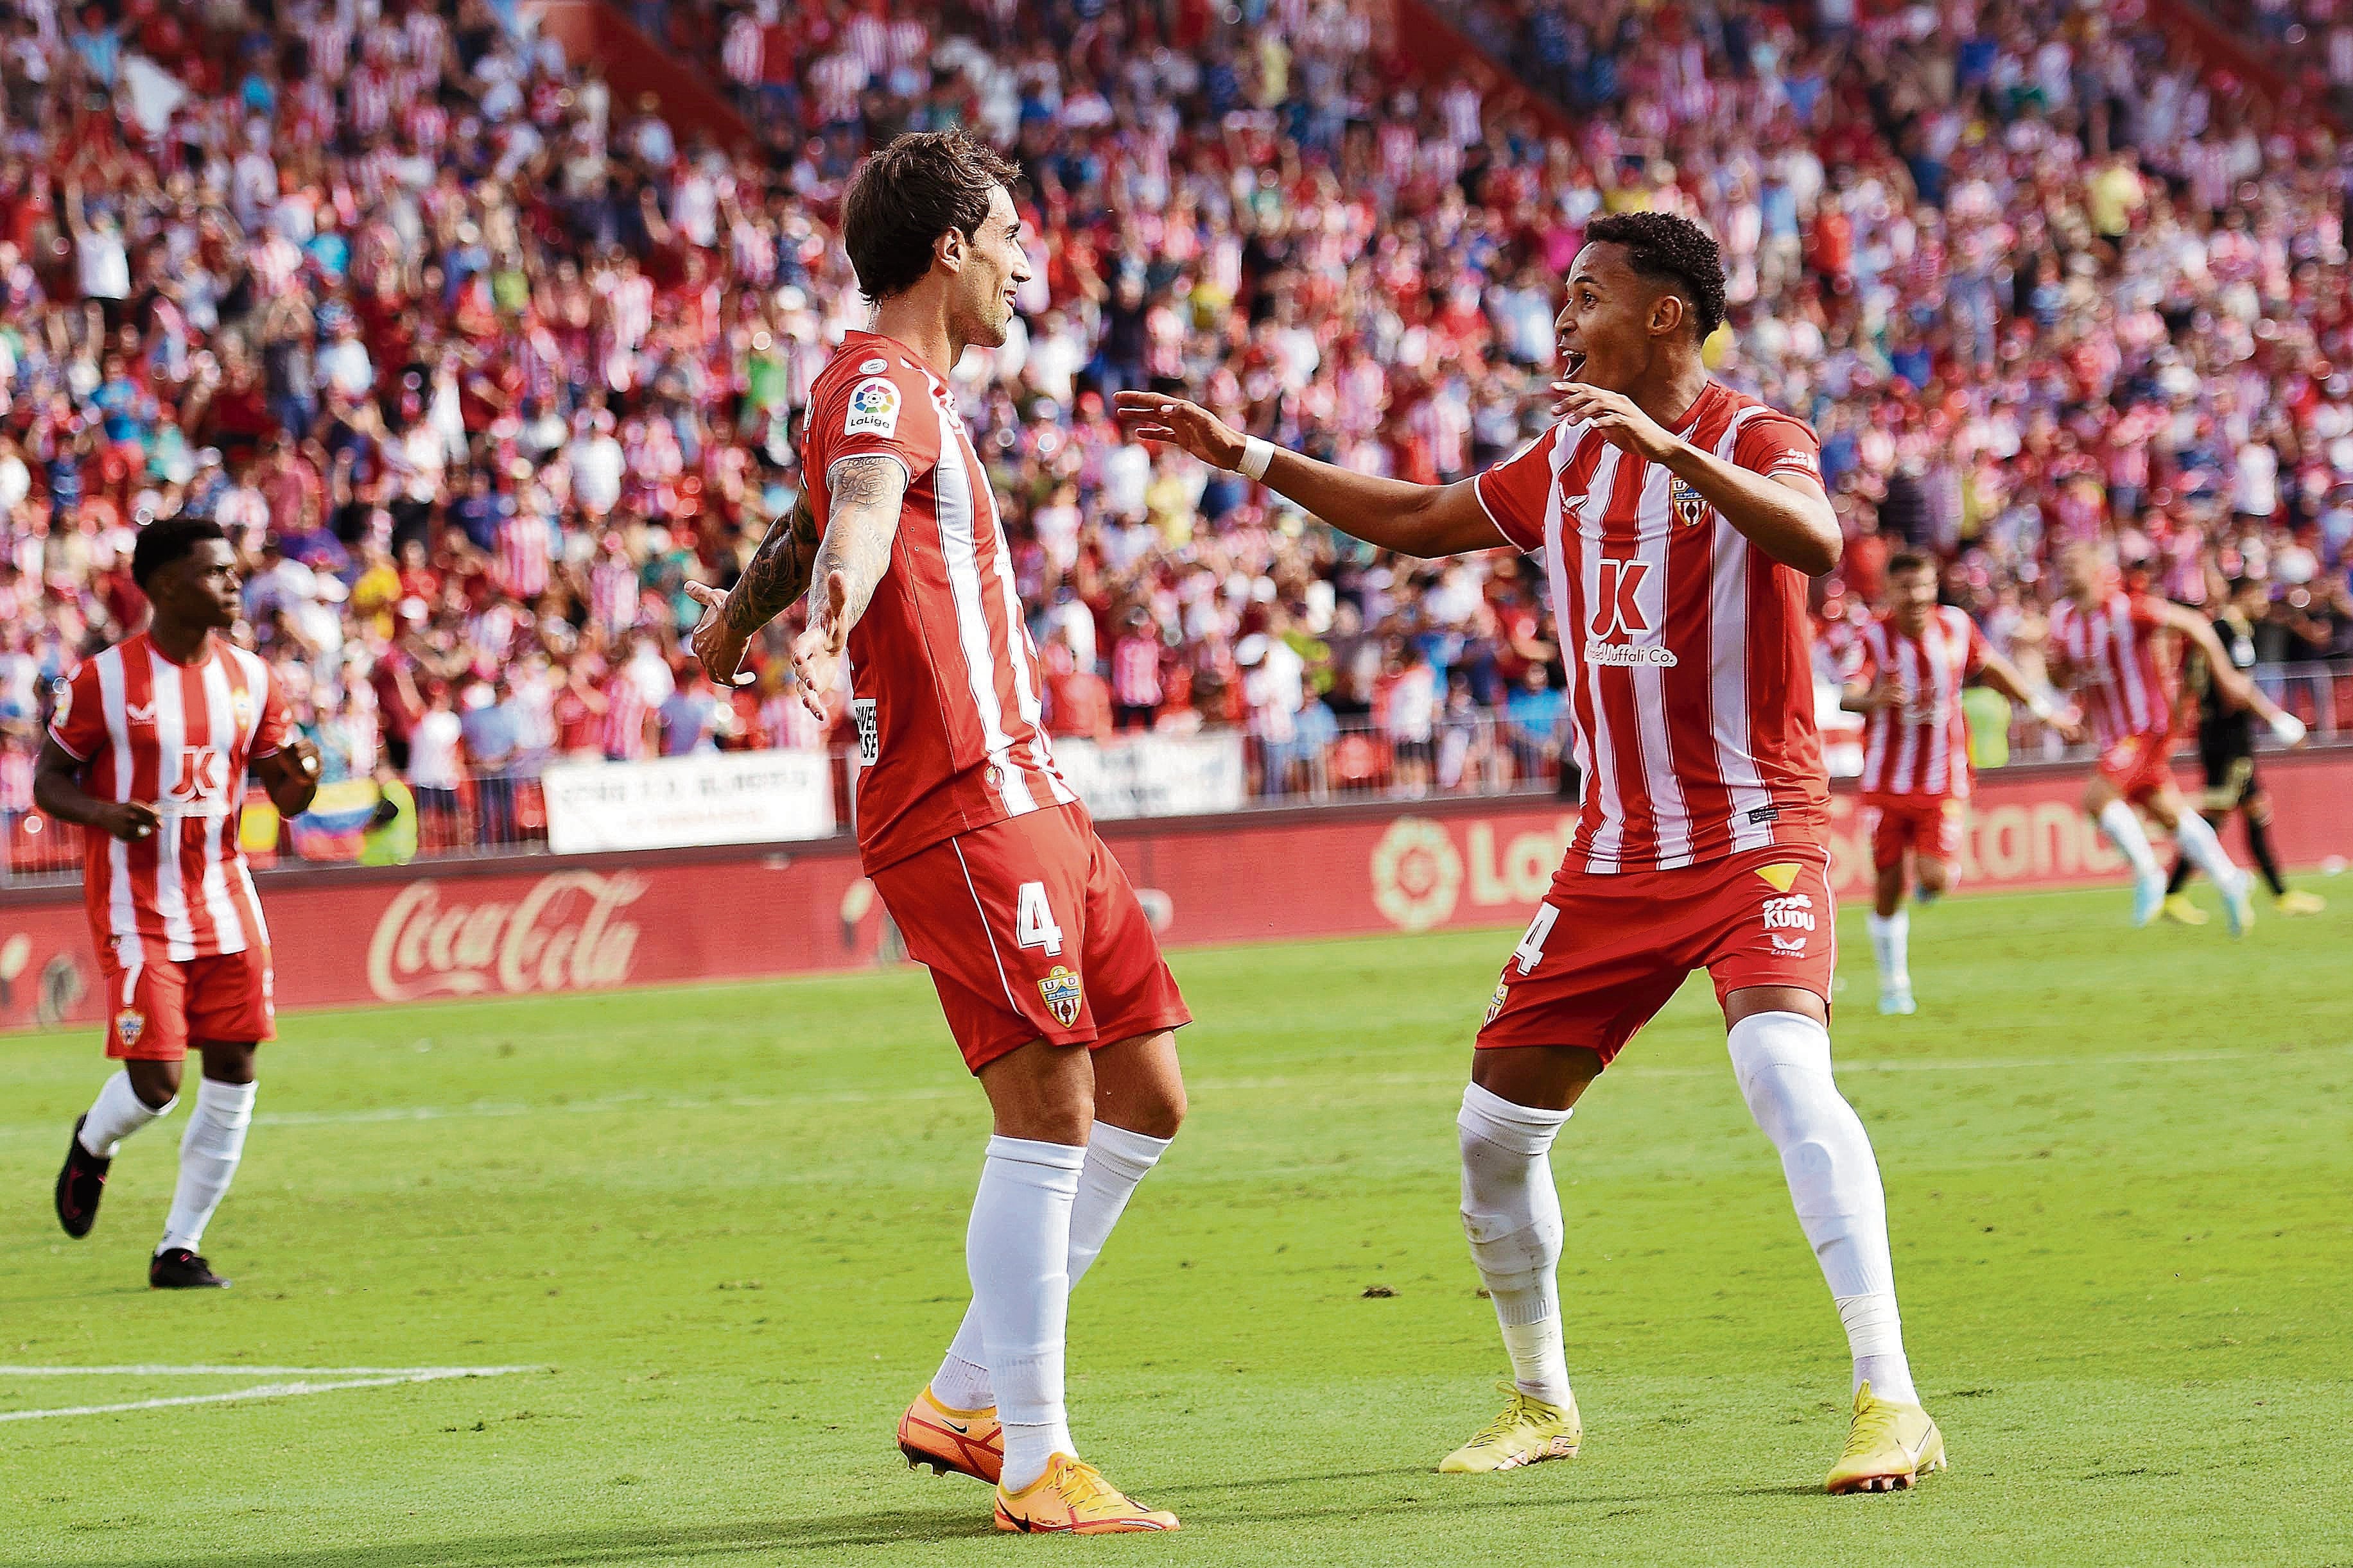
(116, 1114)
(1783, 1063)
(2122, 825)
(1511, 1212)
(210, 1151)
(1019, 1250)
(1116, 1161)
(2204, 850)
(1891, 940)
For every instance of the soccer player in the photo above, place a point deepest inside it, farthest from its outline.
(2226, 750)
(148, 750)
(1908, 671)
(1679, 522)
(1045, 966)
(2104, 645)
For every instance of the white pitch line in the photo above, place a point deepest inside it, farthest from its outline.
(243, 1371)
(262, 1391)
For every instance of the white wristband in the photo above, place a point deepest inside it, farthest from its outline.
(1256, 454)
(2289, 729)
(2039, 705)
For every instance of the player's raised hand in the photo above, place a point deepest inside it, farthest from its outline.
(817, 652)
(1614, 414)
(713, 641)
(303, 753)
(1149, 416)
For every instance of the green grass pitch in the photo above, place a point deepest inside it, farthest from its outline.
(723, 1228)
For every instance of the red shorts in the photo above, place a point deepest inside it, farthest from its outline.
(1031, 932)
(156, 1006)
(1606, 952)
(1928, 826)
(2140, 767)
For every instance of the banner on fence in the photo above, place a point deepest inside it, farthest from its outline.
(672, 803)
(510, 928)
(1156, 775)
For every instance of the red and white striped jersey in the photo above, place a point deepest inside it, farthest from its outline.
(1919, 748)
(2109, 656)
(178, 738)
(1691, 692)
(945, 684)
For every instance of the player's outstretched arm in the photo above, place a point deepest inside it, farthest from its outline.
(2233, 686)
(868, 493)
(56, 790)
(1414, 519)
(2003, 677)
(778, 575)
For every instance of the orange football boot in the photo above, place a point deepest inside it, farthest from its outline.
(966, 1441)
(1073, 1499)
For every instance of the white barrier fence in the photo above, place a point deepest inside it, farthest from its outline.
(711, 797)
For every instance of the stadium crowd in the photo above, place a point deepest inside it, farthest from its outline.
(478, 363)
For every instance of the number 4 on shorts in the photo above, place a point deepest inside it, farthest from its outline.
(1530, 953)
(1033, 920)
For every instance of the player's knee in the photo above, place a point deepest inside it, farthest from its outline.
(1156, 1113)
(1933, 876)
(230, 1061)
(157, 1084)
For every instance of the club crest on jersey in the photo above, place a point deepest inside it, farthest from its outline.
(129, 1025)
(1062, 994)
(1689, 504)
(873, 408)
(1495, 1003)
(240, 703)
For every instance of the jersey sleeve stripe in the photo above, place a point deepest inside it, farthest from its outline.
(1479, 494)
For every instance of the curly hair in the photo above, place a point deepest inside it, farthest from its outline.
(171, 540)
(914, 191)
(1665, 249)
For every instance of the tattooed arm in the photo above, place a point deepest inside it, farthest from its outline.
(778, 575)
(867, 494)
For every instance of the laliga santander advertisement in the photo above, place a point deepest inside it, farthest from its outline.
(489, 928)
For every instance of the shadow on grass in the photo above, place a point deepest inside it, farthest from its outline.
(561, 1550)
(620, 1546)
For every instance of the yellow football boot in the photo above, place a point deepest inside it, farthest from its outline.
(1073, 1499)
(968, 1442)
(2177, 908)
(1888, 1448)
(1528, 1431)
(2296, 902)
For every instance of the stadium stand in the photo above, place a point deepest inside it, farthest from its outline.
(481, 358)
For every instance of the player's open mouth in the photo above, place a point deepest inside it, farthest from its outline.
(1572, 362)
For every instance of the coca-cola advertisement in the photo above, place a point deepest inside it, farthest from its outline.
(582, 922)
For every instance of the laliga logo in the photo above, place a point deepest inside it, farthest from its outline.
(560, 936)
(1416, 873)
